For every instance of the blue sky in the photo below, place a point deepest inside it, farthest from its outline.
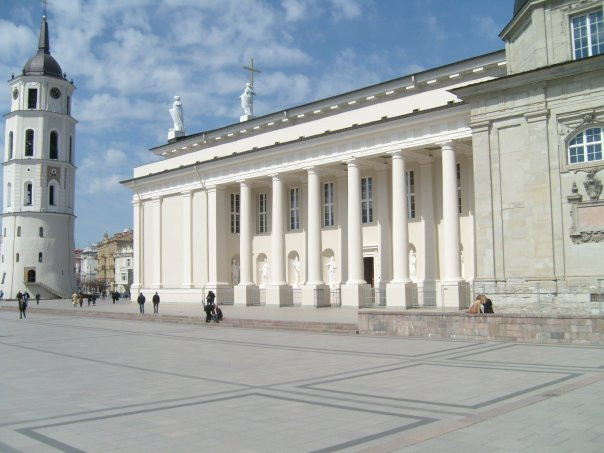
(129, 58)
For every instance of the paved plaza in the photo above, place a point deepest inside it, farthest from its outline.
(73, 383)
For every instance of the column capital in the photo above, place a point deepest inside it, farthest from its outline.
(351, 161)
(397, 153)
(447, 144)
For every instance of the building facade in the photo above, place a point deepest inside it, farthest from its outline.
(108, 250)
(124, 272)
(88, 270)
(412, 192)
(39, 180)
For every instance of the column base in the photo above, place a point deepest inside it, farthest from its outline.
(279, 296)
(453, 294)
(353, 294)
(244, 295)
(400, 295)
(315, 295)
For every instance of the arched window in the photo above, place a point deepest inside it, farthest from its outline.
(40, 257)
(51, 195)
(18, 231)
(41, 232)
(10, 144)
(53, 151)
(9, 195)
(31, 276)
(29, 143)
(29, 194)
(586, 146)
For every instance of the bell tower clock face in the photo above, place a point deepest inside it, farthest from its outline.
(55, 93)
(15, 93)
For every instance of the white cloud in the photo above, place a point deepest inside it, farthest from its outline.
(295, 10)
(346, 9)
(435, 28)
(102, 184)
(485, 27)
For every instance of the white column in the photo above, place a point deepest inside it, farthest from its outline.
(217, 229)
(278, 234)
(187, 249)
(399, 291)
(314, 228)
(243, 291)
(353, 292)
(276, 291)
(451, 264)
(400, 226)
(137, 248)
(313, 292)
(157, 243)
(355, 235)
(452, 287)
(245, 237)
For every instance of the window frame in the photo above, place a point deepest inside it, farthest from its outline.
(410, 184)
(53, 145)
(366, 200)
(328, 205)
(28, 149)
(28, 194)
(235, 213)
(262, 226)
(11, 144)
(32, 101)
(294, 209)
(587, 50)
(584, 146)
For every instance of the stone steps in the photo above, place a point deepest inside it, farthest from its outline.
(268, 324)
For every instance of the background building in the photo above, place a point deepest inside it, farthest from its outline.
(89, 270)
(478, 176)
(39, 180)
(124, 273)
(107, 252)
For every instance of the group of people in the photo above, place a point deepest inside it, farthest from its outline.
(141, 299)
(23, 300)
(482, 304)
(213, 311)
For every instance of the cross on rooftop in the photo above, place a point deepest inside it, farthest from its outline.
(46, 2)
(252, 70)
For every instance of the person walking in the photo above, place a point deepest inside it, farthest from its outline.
(156, 303)
(26, 297)
(141, 303)
(74, 299)
(22, 305)
(37, 298)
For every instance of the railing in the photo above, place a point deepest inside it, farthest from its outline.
(335, 298)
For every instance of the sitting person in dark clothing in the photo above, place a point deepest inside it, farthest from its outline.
(217, 314)
(487, 305)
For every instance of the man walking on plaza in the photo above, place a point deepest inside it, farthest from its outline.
(156, 303)
(141, 303)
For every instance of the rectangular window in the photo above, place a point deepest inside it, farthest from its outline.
(366, 200)
(262, 214)
(235, 213)
(294, 209)
(410, 181)
(124, 277)
(328, 206)
(32, 98)
(458, 175)
(17, 258)
(588, 35)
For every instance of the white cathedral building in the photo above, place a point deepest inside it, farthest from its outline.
(39, 180)
(484, 174)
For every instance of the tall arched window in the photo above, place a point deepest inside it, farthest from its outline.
(9, 195)
(29, 194)
(51, 195)
(39, 257)
(29, 143)
(31, 276)
(41, 232)
(586, 146)
(53, 151)
(10, 144)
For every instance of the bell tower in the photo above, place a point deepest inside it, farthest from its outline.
(39, 180)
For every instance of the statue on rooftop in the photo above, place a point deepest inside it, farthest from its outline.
(177, 115)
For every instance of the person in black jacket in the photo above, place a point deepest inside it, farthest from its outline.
(209, 306)
(487, 305)
(155, 303)
(141, 303)
(22, 305)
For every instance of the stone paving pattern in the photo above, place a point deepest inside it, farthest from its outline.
(96, 384)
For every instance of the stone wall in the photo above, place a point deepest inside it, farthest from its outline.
(529, 328)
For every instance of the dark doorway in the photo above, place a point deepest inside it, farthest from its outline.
(368, 269)
(31, 276)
